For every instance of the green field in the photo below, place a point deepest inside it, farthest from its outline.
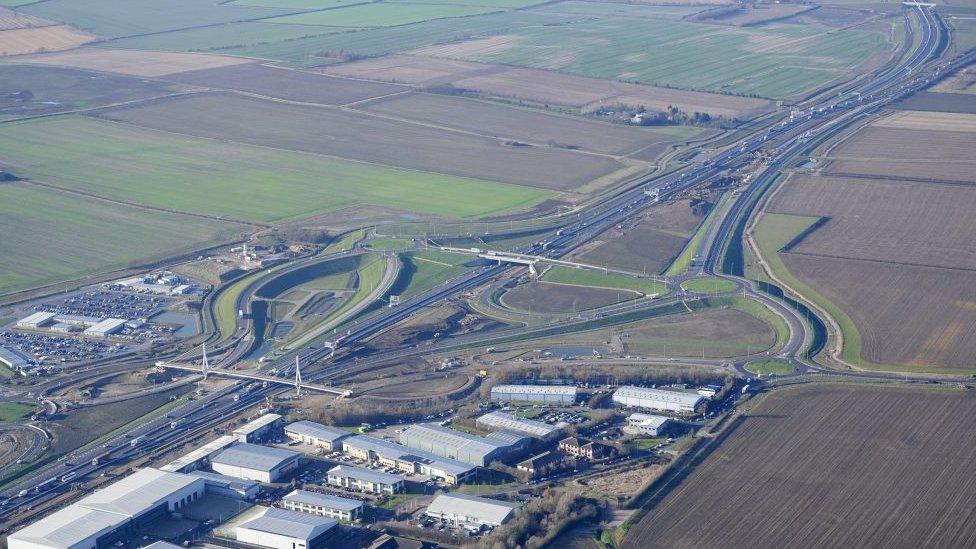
(220, 37)
(422, 271)
(606, 9)
(772, 233)
(347, 242)
(315, 50)
(768, 367)
(13, 411)
(51, 237)
(598, 279)
(381, 14)
(708, 285)
(687, 256)
(115, 18)
(298, 4)
(389, 244)
(775, 61)
(238, 181)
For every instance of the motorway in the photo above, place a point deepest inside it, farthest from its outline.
(818, 120)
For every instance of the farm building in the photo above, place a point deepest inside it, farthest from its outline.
(105, 328)
(102, 517)
(364, 480)
(646, 424)
(259, 429)
(254, 462)
(325, 505)
(509, 422)
(470, 511)
(547, 394)
(231, 487)
(409, 460)
(658, 399)
(199, 457)
(283, 529)
(473, 449)
(316, 434)
(36, 320)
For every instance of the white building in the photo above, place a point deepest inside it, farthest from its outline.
(259, 429)
(658, 399)
(36, 320)
(324, 505)
(316, 434)
(646, 424)
(470, 511)
(254, 462)
(105, 327)
(230, 487)
(530, 427)
(200, 457)
(547, 394)
(283, 529)
(15, 360)
(408, 460)
(364, 480)
(105, 515)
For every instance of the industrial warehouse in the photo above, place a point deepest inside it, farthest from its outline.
(284, 529)
(564, 395)
(326, 505)
(364, 480)
(97, 520)
(509, 422)
(446, 442)
(408, 460)
(316, 434)
(254, 462)
(658, 399)
(470, 511)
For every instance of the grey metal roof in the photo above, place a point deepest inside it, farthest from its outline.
(392, 450)
(323, 500)
(662, 395)
(68, 527)
(647, 420)
(202, 452)
(316, 430)
(536, 389)
(14, 358)
(367, 475)
(290, 523)
(486, 510)
(138, 492)
(531, 427)
(162, 545)
(258, 423)
(433, 434)
(254, 456)
(224, 480)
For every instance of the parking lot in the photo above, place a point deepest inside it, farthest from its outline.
(106, 304)
(52, 350)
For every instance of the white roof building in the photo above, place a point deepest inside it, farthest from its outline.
(96, 519)
(657, 399)
(14, 359)
(258, 428)
(408, 460)
(36, 320)
(364, 480)
(509, 422)
(196, 458)
(557, 394)
(326, 505)
(310, 432)
(646, 424)
(255, 462)
(283, 529)
(464, 510)
(105, 327)
(473, 449)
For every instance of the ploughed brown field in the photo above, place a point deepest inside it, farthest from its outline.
(544, 87)
(544, 297)
(20, 41)
(131, 62)
(291, 85)
(496, 120)
(904, 314)
(366, 138)
(885, 220)
(649, 245)
(910, 148)
(831, 466)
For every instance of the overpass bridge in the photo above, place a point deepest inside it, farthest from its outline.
(533, 260)
(296, 383)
